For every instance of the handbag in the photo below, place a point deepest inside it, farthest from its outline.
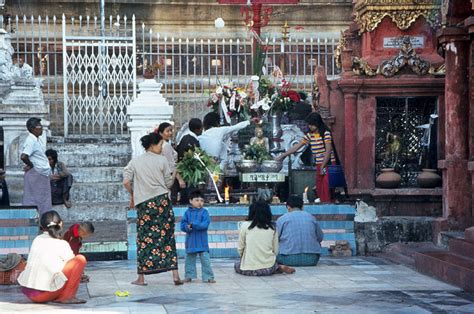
(336, 172)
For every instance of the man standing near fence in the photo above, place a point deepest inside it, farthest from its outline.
(37, 188)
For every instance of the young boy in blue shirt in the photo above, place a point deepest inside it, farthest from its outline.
(195, 222)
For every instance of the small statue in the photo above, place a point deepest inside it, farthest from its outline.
(393, 149)
(260, 139)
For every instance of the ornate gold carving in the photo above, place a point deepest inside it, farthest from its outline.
(369, 13)
(406, 57)
(440, 70)
(338, 51)
(361, 67)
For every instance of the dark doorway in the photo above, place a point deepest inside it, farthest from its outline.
(406, 136)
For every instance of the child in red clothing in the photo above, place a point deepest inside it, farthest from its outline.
(74, 236)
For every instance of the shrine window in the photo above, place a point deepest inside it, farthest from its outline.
(406, 136)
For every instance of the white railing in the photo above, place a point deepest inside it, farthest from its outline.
(190, 67)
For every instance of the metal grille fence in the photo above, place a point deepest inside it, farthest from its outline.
(189, 67)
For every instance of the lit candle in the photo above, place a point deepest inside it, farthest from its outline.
(226, 194)
(305, 195)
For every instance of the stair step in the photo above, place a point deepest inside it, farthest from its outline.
(448, 235)
(448, 267)
(462, 247)
(99, 192)
(469, 234)
(94, 211)
(97, 174)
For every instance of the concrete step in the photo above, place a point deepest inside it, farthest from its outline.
(446, 236)
(94, 211)
(99, 192)
(462, 248)
(404, 253)
(97, 174)
(448, 267)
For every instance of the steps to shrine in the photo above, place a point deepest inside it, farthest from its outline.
(18, 228)
(449, 267)
(337, 222)
(455, 266)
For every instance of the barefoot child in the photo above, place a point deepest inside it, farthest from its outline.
(195, 223)
(74, 236)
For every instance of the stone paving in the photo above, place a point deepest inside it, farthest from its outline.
(337, 285)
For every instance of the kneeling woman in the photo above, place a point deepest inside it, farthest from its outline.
(258, 244)
(52, 273)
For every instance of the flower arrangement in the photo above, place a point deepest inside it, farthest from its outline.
(256, 152)
(231, 99)
(193, 171)
(275, 93)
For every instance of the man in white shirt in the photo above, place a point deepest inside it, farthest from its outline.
(37, 188)
(212, 139)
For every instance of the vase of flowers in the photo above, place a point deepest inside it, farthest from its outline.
(230, 100)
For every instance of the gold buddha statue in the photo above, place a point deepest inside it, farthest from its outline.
(260, 139)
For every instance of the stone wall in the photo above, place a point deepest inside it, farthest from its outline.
(195, 18)
(373, 237)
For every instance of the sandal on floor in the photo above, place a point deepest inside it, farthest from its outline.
(178, 282)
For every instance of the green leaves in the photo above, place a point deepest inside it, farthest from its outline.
(256, 152)
(191, 169)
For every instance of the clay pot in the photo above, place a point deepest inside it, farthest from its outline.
(148, 75)
(388, 179)
(428, 179)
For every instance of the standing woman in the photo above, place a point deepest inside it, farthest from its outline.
(320, 140)
(147, 178)
(165, 130)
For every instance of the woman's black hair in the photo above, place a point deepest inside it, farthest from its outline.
(262, 216)
(150, 139)
(163, 126)
(251, 214)
(315, 119)
(51, 223)
(53, 154)
(211, 120)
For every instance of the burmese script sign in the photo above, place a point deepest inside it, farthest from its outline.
(263, 177)
(396, 42)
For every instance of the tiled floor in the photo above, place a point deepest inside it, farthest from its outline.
(347, 285)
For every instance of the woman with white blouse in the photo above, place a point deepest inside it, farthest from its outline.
(52, 272)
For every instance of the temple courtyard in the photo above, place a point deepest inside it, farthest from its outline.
(336, 285)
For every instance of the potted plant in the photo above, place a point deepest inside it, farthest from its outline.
(151, 70)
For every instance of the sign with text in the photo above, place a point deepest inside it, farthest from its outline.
(396, 42)
(263, 177)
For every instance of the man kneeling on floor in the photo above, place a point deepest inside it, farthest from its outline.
(299, 234)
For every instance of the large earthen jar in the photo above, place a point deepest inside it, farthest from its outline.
(428, 179)
(388, 179)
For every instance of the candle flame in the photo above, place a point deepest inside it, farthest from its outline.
(226, 193)
(306, 189)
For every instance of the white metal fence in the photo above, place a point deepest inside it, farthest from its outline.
(189, 67)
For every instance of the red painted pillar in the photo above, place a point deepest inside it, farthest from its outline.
(456, 181)
(350, 139)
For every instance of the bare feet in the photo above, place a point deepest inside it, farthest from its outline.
(287, 269)
(139, 282)
(84, 278)
(71, 301)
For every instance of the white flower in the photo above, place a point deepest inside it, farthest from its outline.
(264, 103)
(219, 90)
(255, 78)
